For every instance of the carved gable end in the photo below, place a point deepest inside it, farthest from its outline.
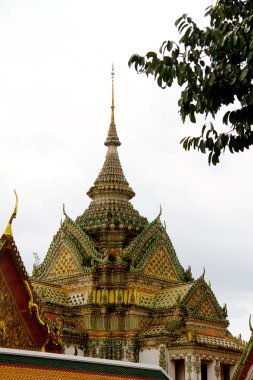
(13, 332)
(208, 310)
(153, 254)
(160, 265)
(202, 303)
(64, 262)
(70, 250)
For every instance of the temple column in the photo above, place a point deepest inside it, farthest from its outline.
(163, 357)
(213, 370)
(171, 368)
(192, 367)
(217, 370)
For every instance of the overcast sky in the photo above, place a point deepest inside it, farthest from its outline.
(55, 96)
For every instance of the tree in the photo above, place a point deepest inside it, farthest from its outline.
(214, 67)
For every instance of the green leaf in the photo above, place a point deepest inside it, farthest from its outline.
(160, 81)
(198, 70)
(169, 45)
(243, 74)
(225, 117)
(203, 130)
(180, 19)
(215, 159)
(211, 79)
(162, 47)
(151, 54)
(192, 116)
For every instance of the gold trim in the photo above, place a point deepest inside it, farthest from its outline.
(33, 305)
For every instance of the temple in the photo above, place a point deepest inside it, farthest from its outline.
(112, 286)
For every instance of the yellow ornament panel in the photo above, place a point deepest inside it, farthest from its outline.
(63, 265)
(159, 265)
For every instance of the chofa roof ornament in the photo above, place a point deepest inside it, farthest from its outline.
(8, 229)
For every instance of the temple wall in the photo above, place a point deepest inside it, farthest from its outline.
(72, 350)
(171, 369)
(149, 356)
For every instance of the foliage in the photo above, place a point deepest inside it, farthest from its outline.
(214, 68)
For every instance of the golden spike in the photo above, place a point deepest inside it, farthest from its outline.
(112, 107)
(8, 229)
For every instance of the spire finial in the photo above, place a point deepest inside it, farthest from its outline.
(112, 107)
(8, 229)
(112, 138)
(113, 73)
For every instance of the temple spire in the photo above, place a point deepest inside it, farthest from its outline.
(110, 218)
(112, 137)
(8, 229)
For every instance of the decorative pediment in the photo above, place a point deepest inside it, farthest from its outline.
(13, 332)
(160, 265)
(20, 324)
(152, 252)
(201, 302)
(70, 252)
(65, 263)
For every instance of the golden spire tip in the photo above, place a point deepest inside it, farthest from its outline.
(8, 230)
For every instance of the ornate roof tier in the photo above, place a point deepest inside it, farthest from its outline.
(110, 207)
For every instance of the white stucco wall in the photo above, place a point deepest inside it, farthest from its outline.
(149, 356)
(70, 350)
(250, 374)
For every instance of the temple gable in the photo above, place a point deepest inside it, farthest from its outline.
(201, 302)
(63, 264)
(13, 331)
(152, 253)
(160, 265)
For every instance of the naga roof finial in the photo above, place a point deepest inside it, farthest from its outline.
(159, 215)
(63, 209)
(8, 229)
(250, 325)
(204, 272)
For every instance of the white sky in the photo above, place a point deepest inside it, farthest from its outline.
(55, 94)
